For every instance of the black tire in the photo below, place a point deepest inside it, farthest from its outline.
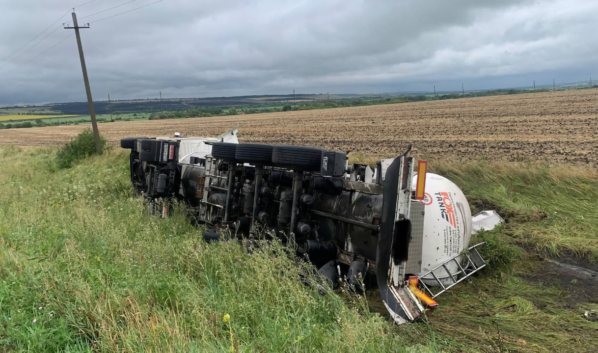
(329, 274)
(129, 142)
(224, 150)
(307, 159)
(211, 235)
(254, 153)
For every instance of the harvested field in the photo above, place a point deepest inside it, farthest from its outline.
(554, 126)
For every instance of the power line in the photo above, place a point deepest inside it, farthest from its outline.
(37, 36)
(33, 46)
(128, 2)
(122, 13)
(37, 43)
(89, 2)
(42, 53)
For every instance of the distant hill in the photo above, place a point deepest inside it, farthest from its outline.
(173, 104)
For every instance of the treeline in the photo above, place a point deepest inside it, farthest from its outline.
(17, 125)
(227, 110)
(42, 123)
(32, 112)
(204, 112)
(224, 110)
(190, 113)
(497, 92)
(103, 107)
(321, 104)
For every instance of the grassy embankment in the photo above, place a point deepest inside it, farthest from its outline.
(83, 267)
(550, 213)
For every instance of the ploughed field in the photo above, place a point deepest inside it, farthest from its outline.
(554, 126)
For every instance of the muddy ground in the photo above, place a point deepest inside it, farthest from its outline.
(578, 277)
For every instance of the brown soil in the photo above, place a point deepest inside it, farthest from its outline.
(558, 127)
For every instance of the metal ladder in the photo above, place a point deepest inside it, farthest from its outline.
(473, 263)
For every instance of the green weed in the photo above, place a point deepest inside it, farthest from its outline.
(81, 147)
(83, 267)
(548, 209)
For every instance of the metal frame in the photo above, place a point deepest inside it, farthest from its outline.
(472, 266)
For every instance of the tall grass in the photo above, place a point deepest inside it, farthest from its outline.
(550, 209)
(84, 268)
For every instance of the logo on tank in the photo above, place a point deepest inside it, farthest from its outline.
(445, 203)
(428, 199)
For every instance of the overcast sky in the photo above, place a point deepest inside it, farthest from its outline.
(194, 48)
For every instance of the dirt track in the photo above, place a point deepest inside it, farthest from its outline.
(555, 126)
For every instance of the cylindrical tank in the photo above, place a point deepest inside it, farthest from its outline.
(161, 183)
(249, 193)
(192, 180)
(284, 210)
(447, 226)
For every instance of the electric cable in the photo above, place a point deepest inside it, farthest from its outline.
(89, 2)
(31, 47)
(101, 19)
(128, 2)
(37, 36)
(40, 54)
(122, 13)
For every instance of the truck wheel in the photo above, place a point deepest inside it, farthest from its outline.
(224, 150)
(211, 235)
(298, 157)
(129, 142)
(256, 154)
(329, 274)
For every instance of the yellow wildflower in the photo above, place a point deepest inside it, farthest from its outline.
(226, 318)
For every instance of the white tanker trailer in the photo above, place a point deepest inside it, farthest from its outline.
(404, 230)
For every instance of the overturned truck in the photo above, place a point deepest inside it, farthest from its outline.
(407, 229)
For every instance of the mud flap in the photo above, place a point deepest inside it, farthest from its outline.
(393, 240)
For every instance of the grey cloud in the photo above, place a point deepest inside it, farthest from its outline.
(190, 48)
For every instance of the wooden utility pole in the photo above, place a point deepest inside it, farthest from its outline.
(92, 113)
(110, 110)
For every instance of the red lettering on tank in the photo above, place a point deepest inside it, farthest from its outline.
(446, 208)
(448, 203)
